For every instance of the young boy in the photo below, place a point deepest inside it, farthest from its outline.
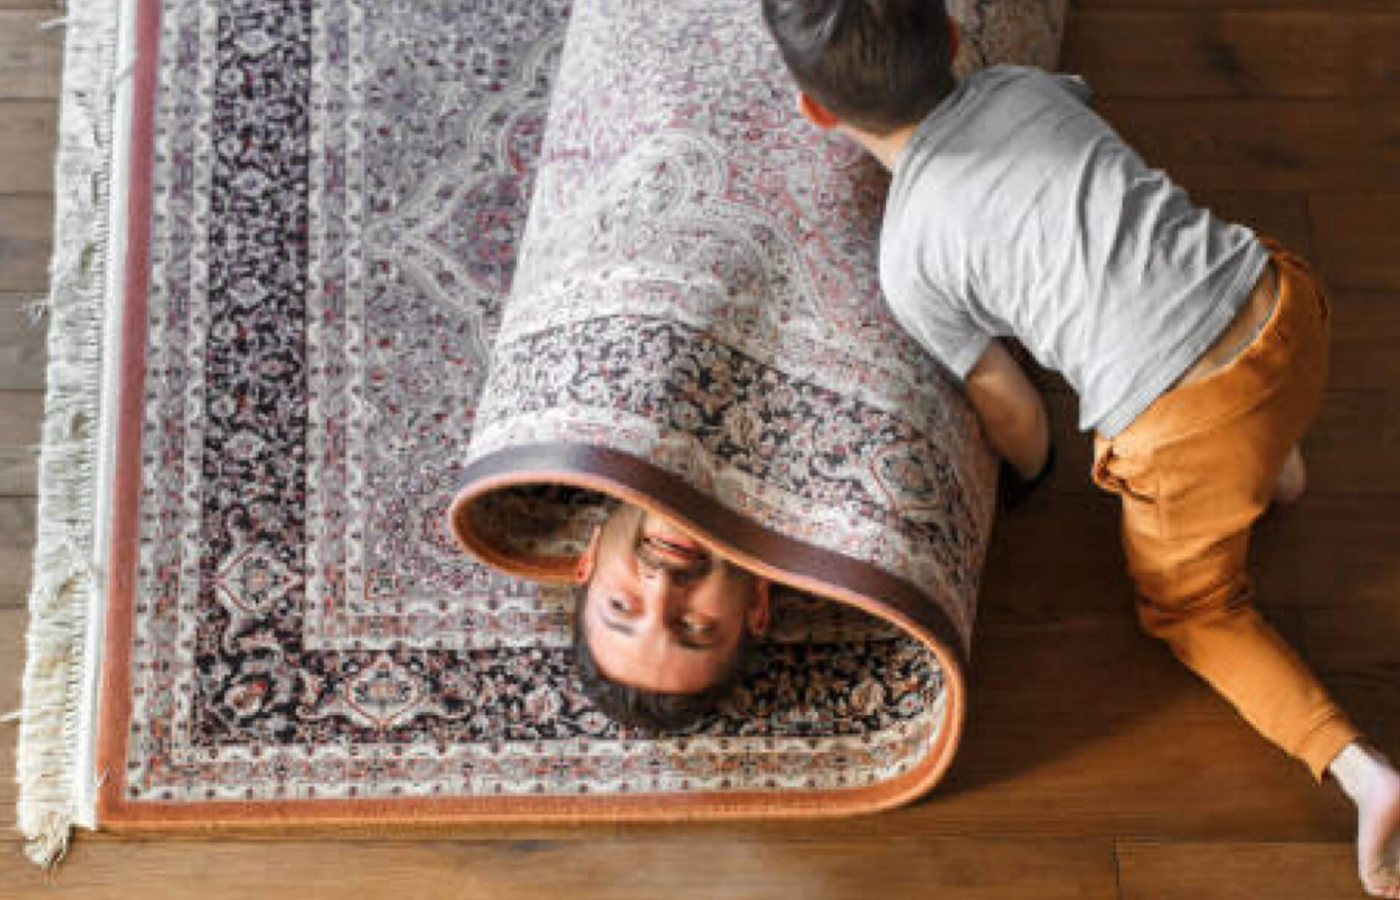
(1198, 352)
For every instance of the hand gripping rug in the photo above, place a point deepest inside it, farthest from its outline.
(330, 269)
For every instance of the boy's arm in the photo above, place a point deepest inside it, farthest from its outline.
(1012, 413)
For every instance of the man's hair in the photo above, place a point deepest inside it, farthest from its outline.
(654, 712)
(878, 64)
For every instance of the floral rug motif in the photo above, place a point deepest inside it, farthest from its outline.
(339, 189)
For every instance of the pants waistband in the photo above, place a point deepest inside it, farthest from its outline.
(1242, 331)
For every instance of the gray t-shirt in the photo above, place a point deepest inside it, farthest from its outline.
(1016, 211)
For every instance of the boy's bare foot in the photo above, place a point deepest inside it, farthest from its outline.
(1374, 786)
(1292, 479)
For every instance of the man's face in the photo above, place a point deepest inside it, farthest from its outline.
(664, 612)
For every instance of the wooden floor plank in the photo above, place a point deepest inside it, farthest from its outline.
(1181, 870)
(21, 416)
(28, 129)
(1281, 215)
(21, 413)
(22, 359)
(1354, 445)
(38, 6)
(25, 225)
(12, 628)
(1265, 145)
(1365, 338)
(1035, 574)
(22, 345)
(16, 547)
(709, 868)
(1353, 645)
(1336, 548)
(31, 60)
(1357, 236)
(1111, 732)
(19, 471)
(1127, 52)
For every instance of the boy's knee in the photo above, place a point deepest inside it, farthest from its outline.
(1169, 615)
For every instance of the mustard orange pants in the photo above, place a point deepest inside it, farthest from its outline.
(1194, 472)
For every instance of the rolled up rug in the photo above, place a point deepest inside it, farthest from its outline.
(695, 328)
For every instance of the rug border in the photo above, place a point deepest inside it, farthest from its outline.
(124, 528)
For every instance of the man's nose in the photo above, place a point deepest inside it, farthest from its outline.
(660, 586)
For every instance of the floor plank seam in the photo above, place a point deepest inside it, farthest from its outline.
(1117, 870)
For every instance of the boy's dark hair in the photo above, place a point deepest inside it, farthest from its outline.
(653, 712)
(878, 64)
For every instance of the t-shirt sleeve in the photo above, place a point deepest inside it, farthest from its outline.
(944, 328)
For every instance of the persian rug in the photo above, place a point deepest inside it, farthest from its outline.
(327, 270)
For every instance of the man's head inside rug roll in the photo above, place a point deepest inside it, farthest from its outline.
(664, 624)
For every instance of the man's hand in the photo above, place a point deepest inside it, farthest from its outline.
(1012, 413)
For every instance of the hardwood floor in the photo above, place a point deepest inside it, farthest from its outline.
(1095, 767)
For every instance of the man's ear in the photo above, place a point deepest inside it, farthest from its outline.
(584, 570)
(813, 111)
(760, 613)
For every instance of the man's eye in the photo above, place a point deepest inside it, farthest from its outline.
(696, 627)
(618, 605)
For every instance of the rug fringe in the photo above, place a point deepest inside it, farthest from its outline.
(49, 845)
(56, 721)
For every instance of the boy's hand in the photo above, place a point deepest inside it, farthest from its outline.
(1013, 488)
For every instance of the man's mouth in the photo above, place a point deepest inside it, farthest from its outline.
(668, 548)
